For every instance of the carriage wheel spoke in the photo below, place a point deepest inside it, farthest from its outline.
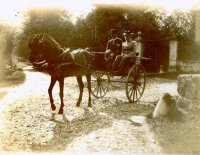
(133, 95)
(103, 85)
(103, 88)
(100, 85)
(140, 86)
(95, 89)
(100, 89)
(130, 89)
(93, 83)
(136, 94)
(139, 91)
(103, 91)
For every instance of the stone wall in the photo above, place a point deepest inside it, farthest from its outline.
(189, 86)
(188, 66)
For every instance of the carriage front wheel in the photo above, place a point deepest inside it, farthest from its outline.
(135, 83)
(99, 84)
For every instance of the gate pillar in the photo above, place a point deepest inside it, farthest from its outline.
(139, 45)
(173, 50)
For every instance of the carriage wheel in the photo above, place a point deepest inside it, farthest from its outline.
(135, 83)
(99, 84)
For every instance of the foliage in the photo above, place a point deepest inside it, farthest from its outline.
(154, 23)
(101, 21)
(177, 24)
(7, 33)
(53, 21)
(94, 29)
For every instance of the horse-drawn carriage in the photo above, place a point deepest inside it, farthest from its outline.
(132, 76)
(60, 64)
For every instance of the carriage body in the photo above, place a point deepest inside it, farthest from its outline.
(132, 76)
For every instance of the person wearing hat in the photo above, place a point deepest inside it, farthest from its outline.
(128, 51)
(114, 46)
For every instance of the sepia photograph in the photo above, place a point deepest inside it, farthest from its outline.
(99, 77)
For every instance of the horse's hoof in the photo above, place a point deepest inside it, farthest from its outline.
(60, 112)
(77, 104)
(53, 107)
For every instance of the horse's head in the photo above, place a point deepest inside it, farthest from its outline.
(36, 46)
(44, 47)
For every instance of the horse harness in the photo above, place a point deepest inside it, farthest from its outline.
(66, 58)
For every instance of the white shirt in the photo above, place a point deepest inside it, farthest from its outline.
(129, 47)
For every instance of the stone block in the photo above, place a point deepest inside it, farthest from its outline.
(189, 86)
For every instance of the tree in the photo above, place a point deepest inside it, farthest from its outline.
(53, 21)
(7, 32)
(177, 24)
(93, 30)
(97, 25)
(154, 23)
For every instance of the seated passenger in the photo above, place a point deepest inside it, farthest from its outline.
(128, 52)
(114, 47)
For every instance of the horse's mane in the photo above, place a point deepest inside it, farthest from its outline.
(52, 50)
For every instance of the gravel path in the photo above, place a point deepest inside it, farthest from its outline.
(112, 125)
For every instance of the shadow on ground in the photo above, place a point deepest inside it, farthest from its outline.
(64, 132)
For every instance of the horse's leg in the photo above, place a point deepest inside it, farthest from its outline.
(88, 76)
(61, 84)
(81, 86)
(53, 81)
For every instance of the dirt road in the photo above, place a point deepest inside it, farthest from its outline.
(112, 125)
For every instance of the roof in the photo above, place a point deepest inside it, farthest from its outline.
(196, 8)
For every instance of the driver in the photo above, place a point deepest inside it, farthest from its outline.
(114, 46)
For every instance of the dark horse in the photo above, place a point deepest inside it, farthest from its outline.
(60, 63)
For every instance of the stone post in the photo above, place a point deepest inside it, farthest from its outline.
(2, 51)
(139, 46)
(173, 55)
(196, 13)
(197, 31)
(188, 86)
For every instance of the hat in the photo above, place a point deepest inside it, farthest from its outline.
(113, 31)
(127, 33)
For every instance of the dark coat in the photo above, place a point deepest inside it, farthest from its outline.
(115, 45)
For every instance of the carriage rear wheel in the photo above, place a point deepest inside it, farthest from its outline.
(135, 83)
(99, 84)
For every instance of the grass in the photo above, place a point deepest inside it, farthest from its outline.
(179, 137)
(12, 78)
